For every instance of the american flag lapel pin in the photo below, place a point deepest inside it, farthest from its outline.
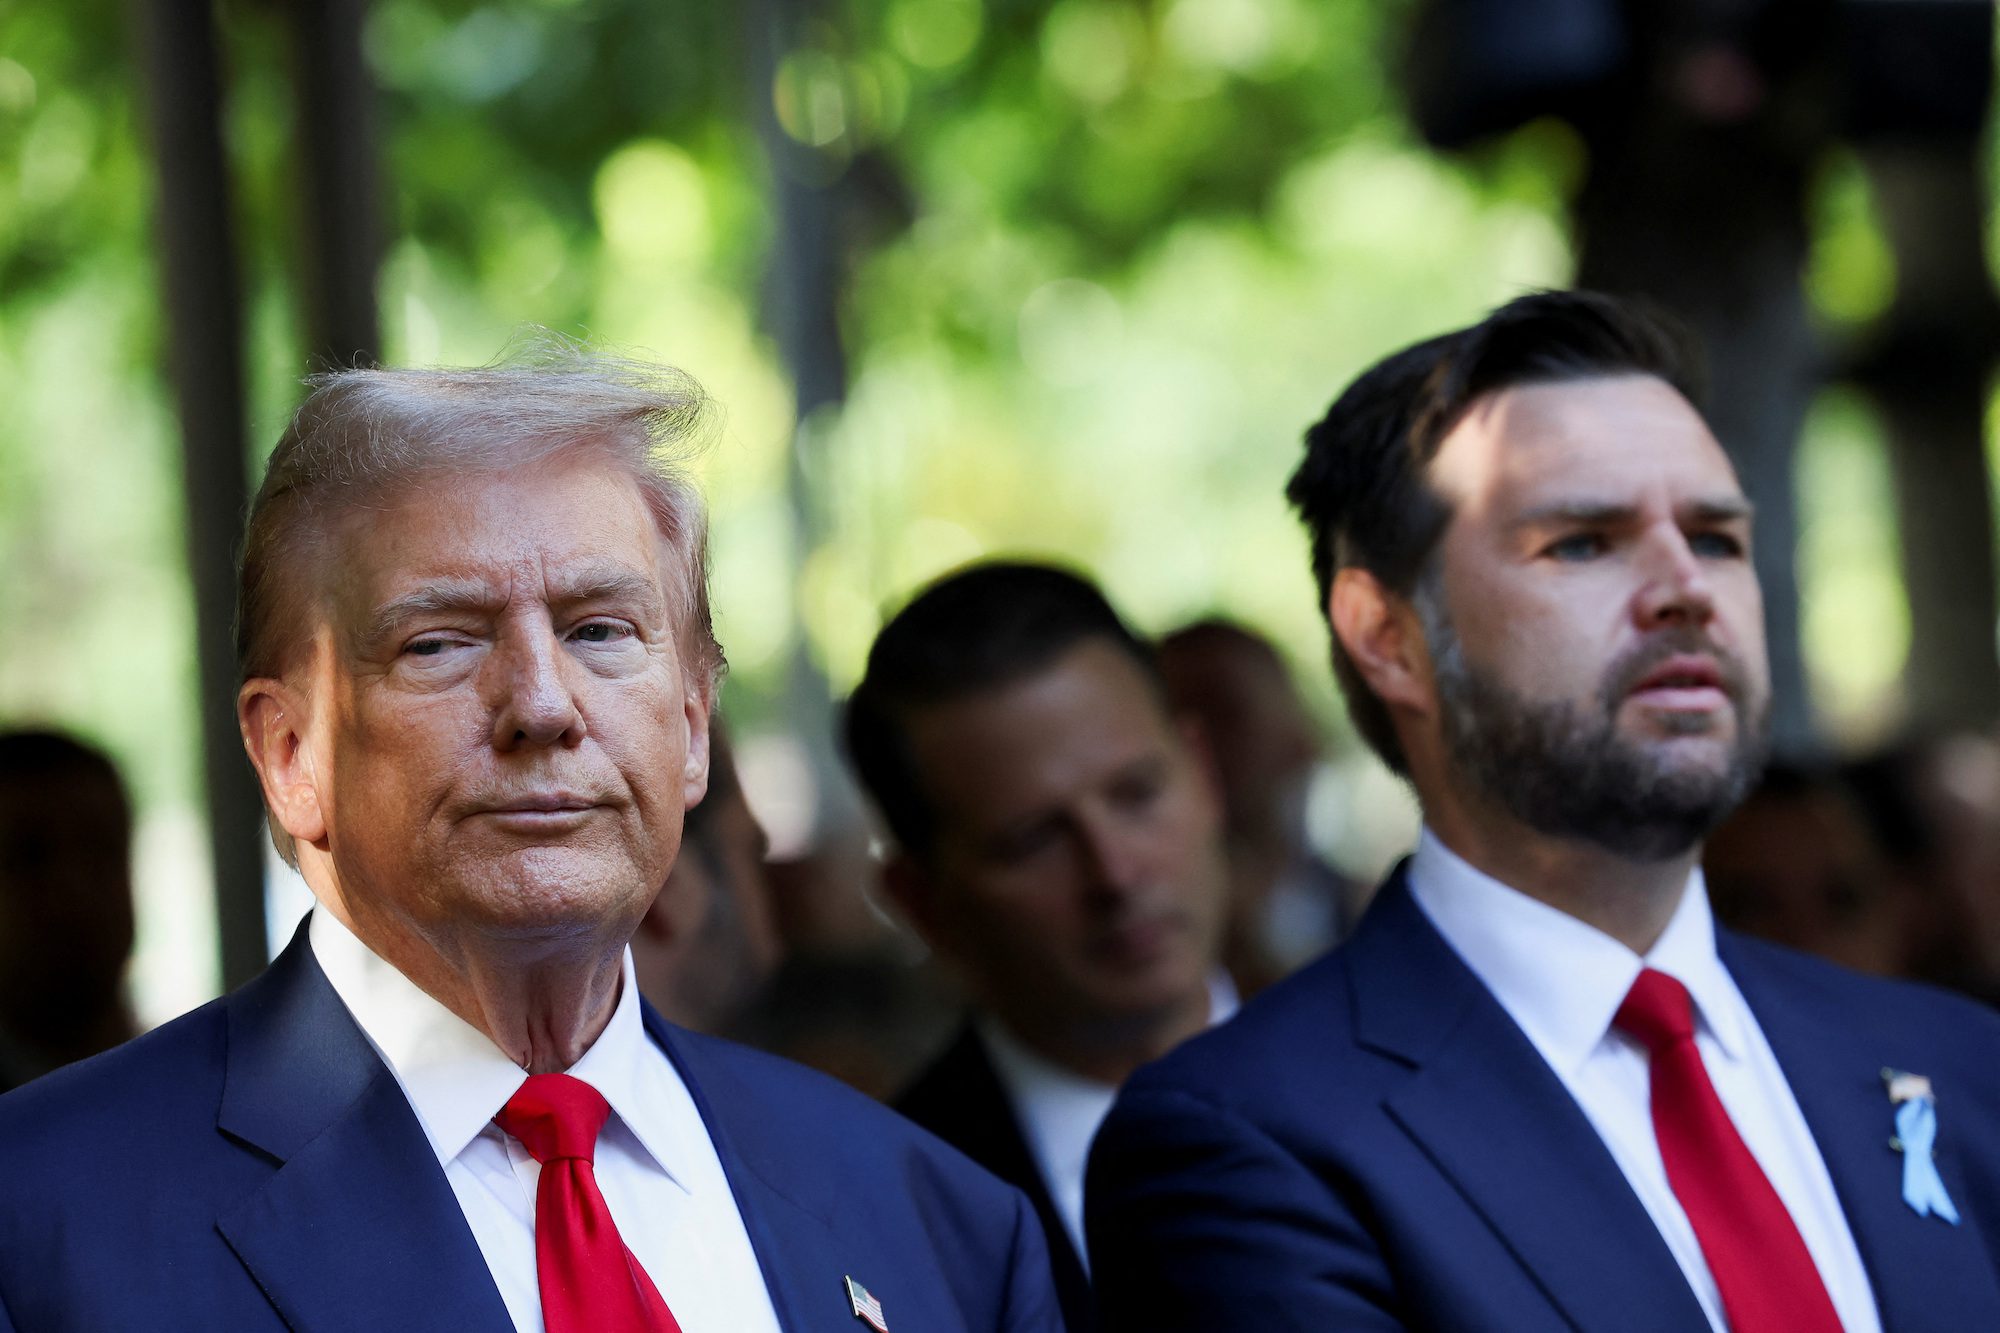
(866, 1307)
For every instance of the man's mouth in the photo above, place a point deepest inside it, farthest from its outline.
(538, 811)
(542, 803)
(1685, 682)
(1136, 941)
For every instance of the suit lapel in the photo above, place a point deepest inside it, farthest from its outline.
(787, 1212)
(1833, 1062)
(357, 1227)
(1486, 1109)
(966, 1104)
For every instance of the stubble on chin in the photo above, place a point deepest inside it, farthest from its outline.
(1568, 769)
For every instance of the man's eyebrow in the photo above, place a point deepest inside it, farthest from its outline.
(597, 582)
(1598, 513)
(607, 581)
(1586, 512)
(1719, 509)
(441, 596)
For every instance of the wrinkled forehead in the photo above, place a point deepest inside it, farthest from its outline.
(1008, 744)
(470, 540)
(1610, 440)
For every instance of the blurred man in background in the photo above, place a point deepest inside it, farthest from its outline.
(1933, 806)
(65, 904)
(1799, 864)
(1286, 904)
(709, 944)
(1058, 843)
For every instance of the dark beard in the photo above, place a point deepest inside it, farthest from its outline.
(1563, 769)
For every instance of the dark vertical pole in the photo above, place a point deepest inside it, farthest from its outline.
(204, 337)
(803, 297)
(1928, 371)
(1918, 98)
(341, 227)
(805, 260)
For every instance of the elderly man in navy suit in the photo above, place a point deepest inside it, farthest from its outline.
(477, 676)
(1538, 1089)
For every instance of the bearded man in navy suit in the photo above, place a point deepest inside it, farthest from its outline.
(477, 678)
(1538, 1089)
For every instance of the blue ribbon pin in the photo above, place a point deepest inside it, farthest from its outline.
(1916, 1134)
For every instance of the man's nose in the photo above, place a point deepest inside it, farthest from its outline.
(1115, 852)
(534, 703)
(1675, 587)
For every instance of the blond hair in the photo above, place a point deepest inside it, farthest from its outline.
(362, 436)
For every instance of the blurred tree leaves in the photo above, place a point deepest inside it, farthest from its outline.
(1105, 259)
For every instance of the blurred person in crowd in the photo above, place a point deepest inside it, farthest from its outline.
(477, 676)
(1934, 804)
(857, 996)
(65, 904)
(1798, 864)
(871, 1020)
(1286, 904)
(1058, 842)
(1537, 1087)
(709, 944)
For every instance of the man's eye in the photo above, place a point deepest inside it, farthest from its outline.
(1139, 791)
(1576, 546)
(1716, 545)
(427, 647)
(599, 631)
(1021, 844)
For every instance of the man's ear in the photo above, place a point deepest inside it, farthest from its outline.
(1384, 639)
(910, 888)
(697, 705)
(272, 715)
(1201, 753)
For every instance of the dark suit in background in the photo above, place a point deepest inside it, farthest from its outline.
(960, 1099)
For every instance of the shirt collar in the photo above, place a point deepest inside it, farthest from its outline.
(1060, 1110)
(1064, 1109)
(1223, 999)
(453, 1075)
(1509, 940)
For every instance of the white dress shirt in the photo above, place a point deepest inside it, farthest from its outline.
(1562, 982)
(655, 1163)
(1060, 1111)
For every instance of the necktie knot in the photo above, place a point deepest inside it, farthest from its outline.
(1657, 1012)
(555, 1116)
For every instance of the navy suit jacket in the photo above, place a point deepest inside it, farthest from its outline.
(1374, 1144)
(960, 1099)
(254, 1165)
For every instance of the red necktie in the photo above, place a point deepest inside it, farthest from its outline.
(590, 1282)
(1759, 1261)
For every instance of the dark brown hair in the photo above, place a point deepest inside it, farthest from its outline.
(985, 626)
(1361, 489)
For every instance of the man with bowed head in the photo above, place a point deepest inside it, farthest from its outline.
(1538, 1089)
(477, 680)
(1056, 840)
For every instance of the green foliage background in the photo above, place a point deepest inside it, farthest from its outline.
(1106, 259)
